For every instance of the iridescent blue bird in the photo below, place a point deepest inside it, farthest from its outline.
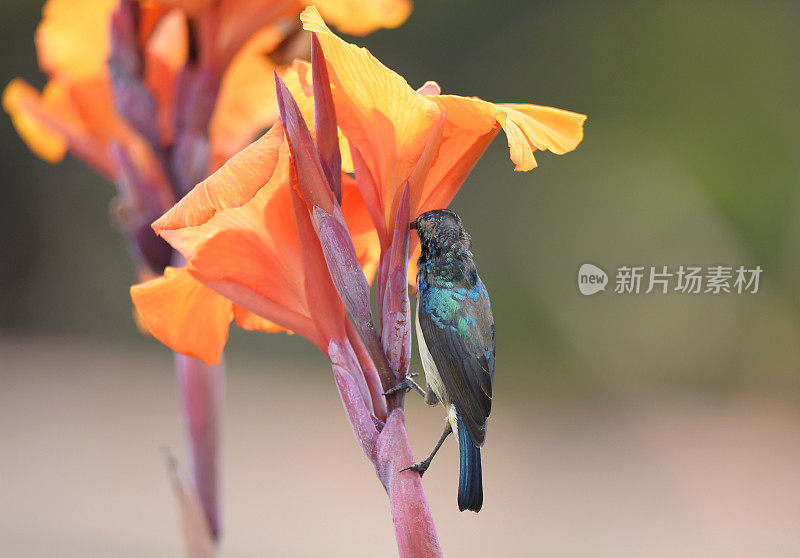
(455, 334)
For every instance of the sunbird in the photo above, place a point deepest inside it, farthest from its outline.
(455, 334)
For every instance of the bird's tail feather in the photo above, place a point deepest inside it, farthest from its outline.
(470, 481)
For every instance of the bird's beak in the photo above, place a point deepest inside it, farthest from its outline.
(413, 225)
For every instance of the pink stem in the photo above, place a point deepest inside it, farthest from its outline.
(201, 390)
(413, 522)
(389, 451)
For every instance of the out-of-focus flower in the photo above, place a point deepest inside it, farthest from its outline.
(76, 109)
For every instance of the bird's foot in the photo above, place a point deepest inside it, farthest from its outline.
(419, 467)
(407, 384)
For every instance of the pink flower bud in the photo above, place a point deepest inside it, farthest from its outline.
(325, 129)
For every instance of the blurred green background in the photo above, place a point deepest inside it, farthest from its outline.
(690, 157)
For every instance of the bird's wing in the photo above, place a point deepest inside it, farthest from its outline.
(459, 331)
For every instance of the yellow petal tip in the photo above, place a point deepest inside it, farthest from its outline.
(20, 101)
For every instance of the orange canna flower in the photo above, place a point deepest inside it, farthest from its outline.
(396, 134)
(287, 246)
(243, 236)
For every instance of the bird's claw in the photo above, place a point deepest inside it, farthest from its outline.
(399, 387)
(407, 384)
(419, 467)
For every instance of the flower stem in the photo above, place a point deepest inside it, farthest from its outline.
(201, 390)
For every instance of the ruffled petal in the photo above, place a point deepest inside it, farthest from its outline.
(238, 233)
(360, 17)
(184, 314)
(249, 251)
(527, 127)
(254, 245)
(532, 127)
(252, 249)
(469, 128)
(234, 184)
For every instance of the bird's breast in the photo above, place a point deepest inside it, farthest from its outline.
(432, 377)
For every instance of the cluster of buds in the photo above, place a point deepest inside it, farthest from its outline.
(316, 173)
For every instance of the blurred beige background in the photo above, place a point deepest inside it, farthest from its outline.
(639, 425)
(664, 475)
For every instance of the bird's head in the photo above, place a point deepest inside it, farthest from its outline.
(441, 226)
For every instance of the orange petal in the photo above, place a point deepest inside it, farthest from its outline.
(254, 322)
(257, 304)
(165, 55)
(387, 121)
(527, 127)
(27, 110)
(362, 230)
(469, 129)
(73, 46)
(183, 314)
(389, 124)
(359, 17)
(94, 105)
(250, 252)
(247, 102)
(322, 300)
(532, 127)
(231, 186)
(254, 245)
(53, 121)
(72, 41)
(237, 231)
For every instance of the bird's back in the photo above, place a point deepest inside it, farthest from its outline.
(455, 318)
